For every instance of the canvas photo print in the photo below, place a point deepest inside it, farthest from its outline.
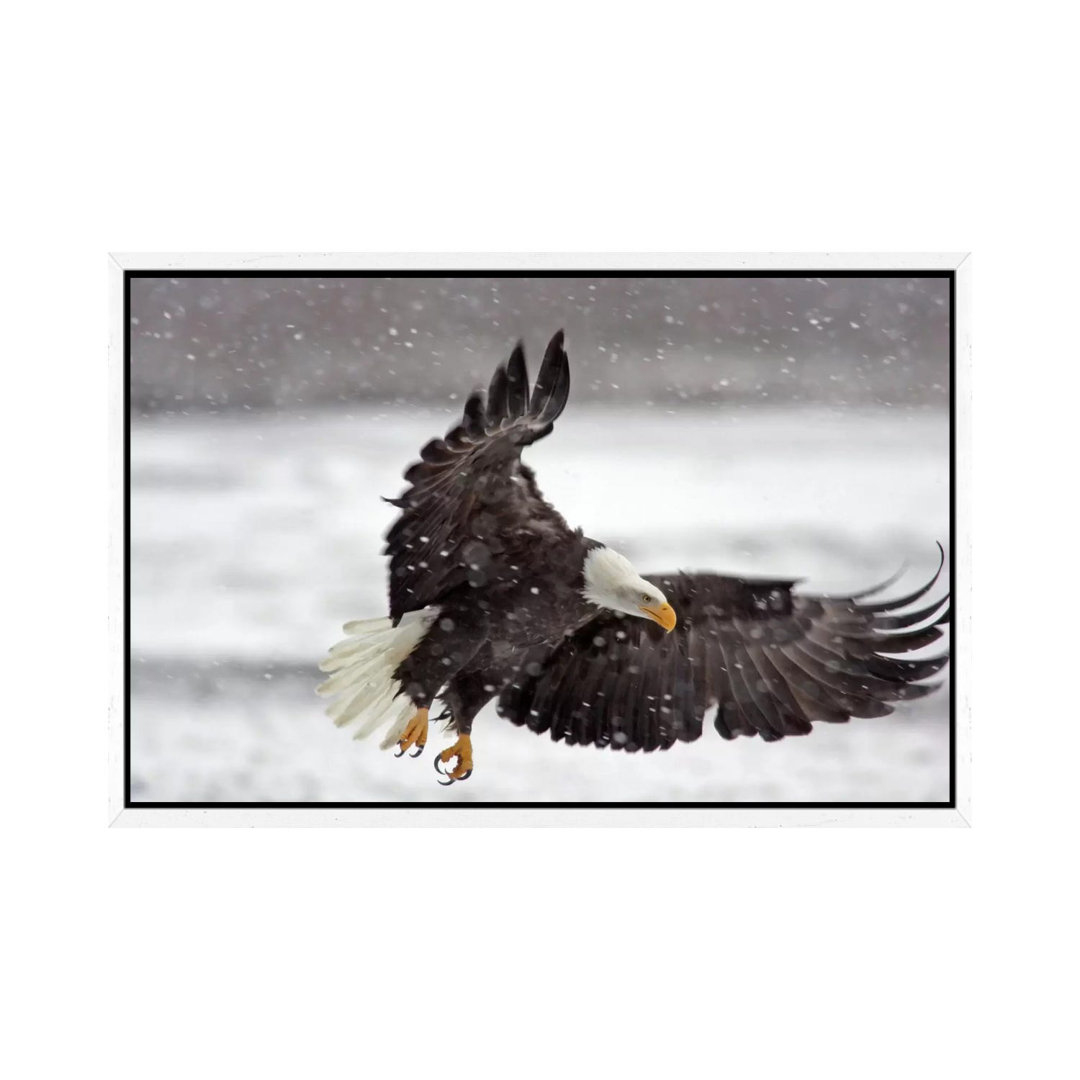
(552, 539)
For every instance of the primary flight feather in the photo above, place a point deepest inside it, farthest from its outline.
(493, 595)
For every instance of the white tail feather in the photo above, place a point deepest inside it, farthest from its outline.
(362, 679)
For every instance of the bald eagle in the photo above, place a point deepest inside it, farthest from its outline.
(493, 595)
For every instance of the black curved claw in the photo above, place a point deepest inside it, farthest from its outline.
(442, 783)
(419, 750)
(401, 751)
(466, 776)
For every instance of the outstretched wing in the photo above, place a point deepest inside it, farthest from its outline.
(470, 498)
(772, 662)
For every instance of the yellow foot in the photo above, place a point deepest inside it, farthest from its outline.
(414, 735)
(462, 750)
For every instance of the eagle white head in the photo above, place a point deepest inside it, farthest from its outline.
(612, 582)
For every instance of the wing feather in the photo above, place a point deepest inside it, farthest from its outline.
(772, 662)
(470, 487)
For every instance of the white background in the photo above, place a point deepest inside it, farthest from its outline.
(839, 953)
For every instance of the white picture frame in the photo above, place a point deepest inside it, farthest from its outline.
(958, 814)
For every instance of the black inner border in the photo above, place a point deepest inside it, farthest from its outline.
(129, 275)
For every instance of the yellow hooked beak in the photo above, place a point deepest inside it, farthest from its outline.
(664, 615)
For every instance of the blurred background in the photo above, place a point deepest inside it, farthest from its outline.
(781, 426)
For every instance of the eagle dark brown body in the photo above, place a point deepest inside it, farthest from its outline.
(484, 629)
(493, 595)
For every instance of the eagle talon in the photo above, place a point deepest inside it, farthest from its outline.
(415, 734)
(462, 750)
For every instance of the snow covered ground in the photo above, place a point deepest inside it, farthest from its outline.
(255, 536)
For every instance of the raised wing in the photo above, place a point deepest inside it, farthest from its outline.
(470, 498)
(773, 663)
